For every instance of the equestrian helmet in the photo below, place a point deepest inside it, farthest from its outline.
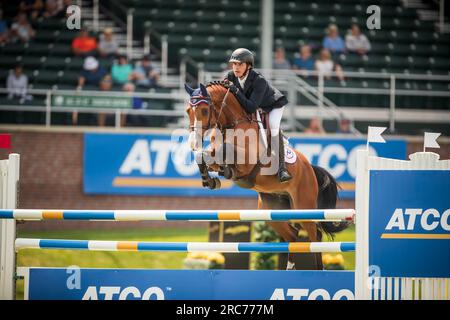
(242, 55)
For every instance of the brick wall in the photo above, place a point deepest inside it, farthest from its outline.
(51, 177)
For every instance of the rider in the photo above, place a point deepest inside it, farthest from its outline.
(253, 91)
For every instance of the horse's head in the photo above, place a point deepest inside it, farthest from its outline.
(199, 107)
(200, 112)
(209, 107)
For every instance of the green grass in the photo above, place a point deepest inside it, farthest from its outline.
(106, 259)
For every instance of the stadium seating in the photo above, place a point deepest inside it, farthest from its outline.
(207, 31)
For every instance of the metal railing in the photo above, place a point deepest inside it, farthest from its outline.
(295, 82)
(48, 107)
(288, 81)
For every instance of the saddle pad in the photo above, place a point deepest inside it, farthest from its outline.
(289, 155)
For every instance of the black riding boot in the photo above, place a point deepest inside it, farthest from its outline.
(283, 174)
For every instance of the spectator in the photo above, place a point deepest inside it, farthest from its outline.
(344, 126)
(105, 85)
(333, 41)
(4, 32)
(22, 29)
(145, 74)
(134, 119)
(17, 84)
(92, 73)
(84, 45)
(315, 126)
(32, 8)
(325, 66)
(108, 46)
(121, 71)
(52, 8)
(305, 62)
(280, 61)
(357, 42)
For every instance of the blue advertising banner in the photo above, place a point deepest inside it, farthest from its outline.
(158, 164)
(410, 228)
(140, 284)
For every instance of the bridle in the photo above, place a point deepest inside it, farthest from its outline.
(196, 100)
(213, 114)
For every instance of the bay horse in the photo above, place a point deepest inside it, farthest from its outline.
(215, 107)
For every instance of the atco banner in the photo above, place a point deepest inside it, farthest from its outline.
(157, 164)
(140, 284)
(410, 228)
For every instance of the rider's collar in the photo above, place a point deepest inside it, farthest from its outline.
(242, 81)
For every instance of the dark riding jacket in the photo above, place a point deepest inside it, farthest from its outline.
(257, 93)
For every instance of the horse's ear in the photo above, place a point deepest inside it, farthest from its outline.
(188, 89)
(203, 89)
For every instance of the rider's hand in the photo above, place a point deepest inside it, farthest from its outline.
(233, 88)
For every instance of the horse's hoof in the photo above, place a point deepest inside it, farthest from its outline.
(205, 183)
(227, 172)
(215, 184)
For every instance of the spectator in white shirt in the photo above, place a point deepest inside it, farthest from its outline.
(22, 28)
(108, 46)
(17, 84)
(325, 66)
(357, 42)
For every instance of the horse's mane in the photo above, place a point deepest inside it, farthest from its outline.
(218, 83)
(217, 90)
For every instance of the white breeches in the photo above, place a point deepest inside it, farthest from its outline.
(274, 120)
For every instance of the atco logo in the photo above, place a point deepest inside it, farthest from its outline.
(112, 293)
(152, 158)
(307, 294)
(427, 220)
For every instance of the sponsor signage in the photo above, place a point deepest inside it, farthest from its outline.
(140, 284)
(159, 164)
(410, 228)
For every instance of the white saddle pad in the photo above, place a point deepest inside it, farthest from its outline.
(289, 155)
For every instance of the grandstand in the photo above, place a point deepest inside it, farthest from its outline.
(403, 82)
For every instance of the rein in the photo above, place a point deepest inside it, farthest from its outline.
(222, 109)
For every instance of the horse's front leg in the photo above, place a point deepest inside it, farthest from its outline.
(226, 157)
(207, 180)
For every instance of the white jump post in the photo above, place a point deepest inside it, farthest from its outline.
(9, 179)
(374, 278)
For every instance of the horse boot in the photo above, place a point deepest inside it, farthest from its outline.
(283, 174)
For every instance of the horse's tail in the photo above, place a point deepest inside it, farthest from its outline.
(327, 198)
